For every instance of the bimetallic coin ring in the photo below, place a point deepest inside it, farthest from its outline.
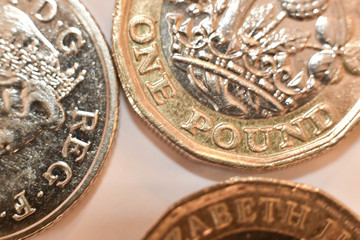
(249, 84)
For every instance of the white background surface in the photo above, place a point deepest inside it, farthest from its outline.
(143, 176)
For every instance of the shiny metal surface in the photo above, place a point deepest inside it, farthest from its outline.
(257, 209)
(141, 180)
(271, 87)
(248, 59)
(58, 109)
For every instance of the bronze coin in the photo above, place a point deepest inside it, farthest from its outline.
(257, 209)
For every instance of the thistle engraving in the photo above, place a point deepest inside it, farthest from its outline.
(31, 81)
(258, 59)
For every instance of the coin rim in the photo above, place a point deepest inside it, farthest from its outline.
(195, 150)
(112, 107)
(255, 180)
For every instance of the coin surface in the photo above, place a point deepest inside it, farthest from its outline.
(257, 209)
(249, 84)
(58, 109)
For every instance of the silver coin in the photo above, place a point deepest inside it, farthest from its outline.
(58, 110)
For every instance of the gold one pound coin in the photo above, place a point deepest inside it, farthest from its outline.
(252, 84)
(257, 209)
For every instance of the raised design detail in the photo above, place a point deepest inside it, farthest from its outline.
(23, 207)
(227, 136)
(52, 7)
(238, 209)
(31, 81)
(303, 9)
(254, 60)
(51, 178)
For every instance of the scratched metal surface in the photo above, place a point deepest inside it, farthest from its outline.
(36, 138)
(144, 177)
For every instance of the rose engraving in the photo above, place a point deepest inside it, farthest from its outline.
(241, 55)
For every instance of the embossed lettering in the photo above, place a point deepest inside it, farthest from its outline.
(322, 117)
(296, 218)
(142, 29)
(220, 215)
(259, 140)
(198, 228)
(88, 121)
(253, 135)
(245, 208)
(23, 208)
(332, 230)
(198, 122)
(73, 46)
(227, 136)
(162, 90)
(46, 10)
(295, 130)
(51, 178)
(150, 62)
(78, 144)
(269, 208)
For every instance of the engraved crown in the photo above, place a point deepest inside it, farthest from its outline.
(26, 53)
(237, 53)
